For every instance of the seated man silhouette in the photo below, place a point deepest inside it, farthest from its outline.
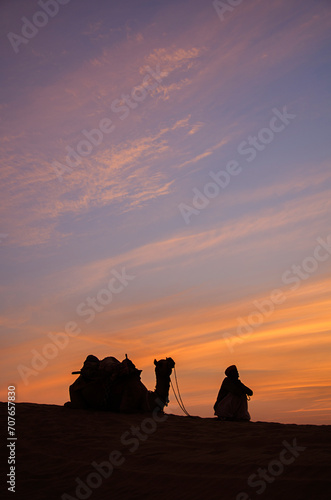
(231, 403)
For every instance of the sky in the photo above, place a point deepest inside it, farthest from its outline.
(166, 191)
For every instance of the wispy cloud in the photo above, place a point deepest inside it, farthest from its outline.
(195, 159)
(119, 206)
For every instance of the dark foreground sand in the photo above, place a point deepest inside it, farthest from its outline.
(178, 458)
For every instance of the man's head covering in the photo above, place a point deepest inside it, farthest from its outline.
(231, 370)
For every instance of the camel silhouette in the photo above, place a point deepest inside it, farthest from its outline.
(116, 386)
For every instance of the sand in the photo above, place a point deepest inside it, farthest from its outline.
(176, 458)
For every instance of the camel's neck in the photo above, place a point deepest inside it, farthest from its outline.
(162, 388)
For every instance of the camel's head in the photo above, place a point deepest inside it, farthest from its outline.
(164, 366)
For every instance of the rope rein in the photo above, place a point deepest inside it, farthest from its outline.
(179, 398)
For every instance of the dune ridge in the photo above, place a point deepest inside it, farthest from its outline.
(78, 454)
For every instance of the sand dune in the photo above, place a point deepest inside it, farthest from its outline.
(63, 453)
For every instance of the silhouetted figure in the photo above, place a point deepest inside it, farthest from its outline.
(231, 403)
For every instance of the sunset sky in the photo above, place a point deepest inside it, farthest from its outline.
(116, 119)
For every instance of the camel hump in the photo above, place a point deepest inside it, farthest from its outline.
(112, 369)
(109, 364)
